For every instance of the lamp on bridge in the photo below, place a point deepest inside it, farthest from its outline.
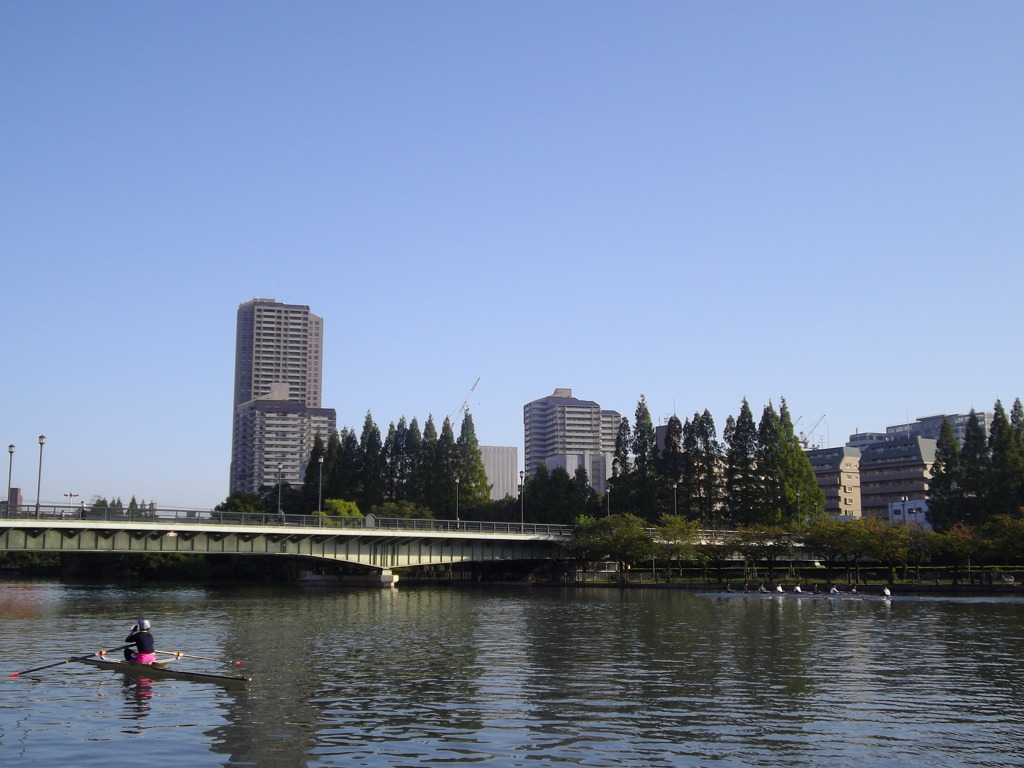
(10, 466)
(279, 468)
(71, 500)
(39, 481)
(456, 498)
(320, 487)
(522, 497)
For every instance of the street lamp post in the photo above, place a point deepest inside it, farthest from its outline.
(608, 497)
(320, 487)
(39, 481)
(10, 466)
(71, 500)
(675, 499)
(522, 497)
(279, 468)
(456, 498)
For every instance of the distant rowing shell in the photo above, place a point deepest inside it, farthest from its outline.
(163, 671)
(794, 595)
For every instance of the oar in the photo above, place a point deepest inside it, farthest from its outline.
(180, 655)
(68, 661)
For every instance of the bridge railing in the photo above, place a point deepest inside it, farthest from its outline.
(203, 517)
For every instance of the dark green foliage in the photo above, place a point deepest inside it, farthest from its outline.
(945, 489)
(742, 485)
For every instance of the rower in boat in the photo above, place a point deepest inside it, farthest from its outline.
(886, 592)
(834, 590)
(145, 644)
(778, 588)
(797, 588)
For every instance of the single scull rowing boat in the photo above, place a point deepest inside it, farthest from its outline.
(162, 670)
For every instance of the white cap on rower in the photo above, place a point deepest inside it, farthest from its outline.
(143, 624)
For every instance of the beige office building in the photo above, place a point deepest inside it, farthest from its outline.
(278, 383)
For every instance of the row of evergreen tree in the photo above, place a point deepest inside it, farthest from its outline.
(418, 473)
(757, 474)
(767, 478)
(984, 478)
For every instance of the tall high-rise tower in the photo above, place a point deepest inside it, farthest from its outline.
(563, 431)
(278, 381)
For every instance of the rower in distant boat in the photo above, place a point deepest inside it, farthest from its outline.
(778, 587)
(834, 590)
(797, 588)
(145, 645)
(886, 592)
(762, 588)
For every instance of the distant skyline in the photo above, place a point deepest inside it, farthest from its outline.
(694, 202)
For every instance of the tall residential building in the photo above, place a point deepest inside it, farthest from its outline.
(563, 431)
(895, 472)
(278, 381)
(838, 473)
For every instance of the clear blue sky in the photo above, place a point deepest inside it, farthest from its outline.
(693, 201)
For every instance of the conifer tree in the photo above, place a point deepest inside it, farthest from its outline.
(372, 467)
(803, 497)
(945, 495)
(311, 485)
(1006, 467)
(742, 485)
(474, 490)
(974, 472)
(645, 461)
(772, 503)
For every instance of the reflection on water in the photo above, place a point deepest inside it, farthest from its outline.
(596, 677)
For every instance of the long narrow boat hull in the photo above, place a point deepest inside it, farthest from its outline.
(163, 671)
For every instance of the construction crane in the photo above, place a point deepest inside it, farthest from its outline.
(805, 437)
(465, 403)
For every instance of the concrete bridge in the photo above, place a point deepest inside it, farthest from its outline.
(378, 544)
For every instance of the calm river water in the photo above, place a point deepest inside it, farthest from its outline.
(516, 677)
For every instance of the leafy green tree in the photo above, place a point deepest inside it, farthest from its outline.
(889, 545)
(1004, 539)
(765, 544)
(831, 541)
(336, 509)
(945, 496)
(403, 510)
(677, 538)
(245, 503)
(645, 464)
(922, 545)
(622, 538)
(957, 546)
